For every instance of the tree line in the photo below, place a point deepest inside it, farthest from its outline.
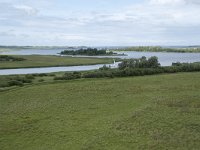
(88, 52)
(161, 49)
(133, 67)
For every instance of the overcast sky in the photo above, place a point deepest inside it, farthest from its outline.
(100, 22)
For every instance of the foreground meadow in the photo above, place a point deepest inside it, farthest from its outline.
(150, 112)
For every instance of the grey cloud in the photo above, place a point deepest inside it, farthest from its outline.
(26, 9)
(143, 22)
(9, 10)
(7, 33)
(13, 33)
(193, 1)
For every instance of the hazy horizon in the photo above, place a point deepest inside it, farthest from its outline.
(99, 46)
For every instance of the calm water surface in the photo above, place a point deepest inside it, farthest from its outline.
(165, 59)
(33, 52)
(53, 69)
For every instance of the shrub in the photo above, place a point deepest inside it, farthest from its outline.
(29, 76)
(41, 80)
(58, 78)
(15, 83)
(52, 75)
(104, 68)
(130, 70)
(10, 58)
(42, 74)
(69, 76)
(152, 62)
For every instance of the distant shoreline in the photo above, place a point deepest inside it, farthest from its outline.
(168, 49)
(159, 49)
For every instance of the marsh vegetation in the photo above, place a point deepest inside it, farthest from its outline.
(6, 58)
(33, 61)
(150, 112)
(121, 108)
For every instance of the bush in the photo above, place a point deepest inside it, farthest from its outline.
(52, 75)
(58, 78)
(130, 70)
(69, 76)
(152, 62)
(15, 83)
(10, 58)
(29, 76)
(42, 74)
(41, 80)
(104, 68)
(24, 80)
(5, 84)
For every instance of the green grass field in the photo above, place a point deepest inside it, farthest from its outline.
(50, 61)
(150, 112)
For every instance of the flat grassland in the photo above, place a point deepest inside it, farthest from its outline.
(52, 61)
(150, 112)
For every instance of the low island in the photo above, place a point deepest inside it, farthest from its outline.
(90, 52)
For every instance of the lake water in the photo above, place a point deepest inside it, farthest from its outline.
(53, 69)
(165, 59)
(33, 52)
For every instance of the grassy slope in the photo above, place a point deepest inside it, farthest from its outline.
(151, 112)
(46, 61)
